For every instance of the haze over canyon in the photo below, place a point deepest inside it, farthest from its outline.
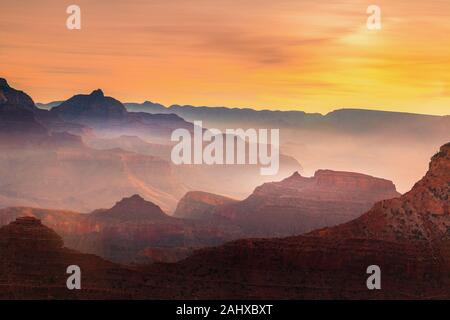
(90, 182)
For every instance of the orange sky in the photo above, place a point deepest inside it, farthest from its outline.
(310, 55)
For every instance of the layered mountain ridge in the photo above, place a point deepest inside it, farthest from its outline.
(109, 117)
(406, 237)
(347, 139)
(294, 205)
(324, 264)
(133, 230)
(70, 149)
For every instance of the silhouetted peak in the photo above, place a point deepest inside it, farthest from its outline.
(90, 106)
(97, 93)
(296, 174)
(3, 83)
(135, 202)
(135, 207)
(133, 199)
(15, 98)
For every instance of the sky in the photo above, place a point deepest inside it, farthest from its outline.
(309, 55)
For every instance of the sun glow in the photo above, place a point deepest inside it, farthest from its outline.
(288, 54)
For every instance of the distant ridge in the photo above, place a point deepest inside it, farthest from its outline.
(294, 205)
(94, 105)
(345, 121)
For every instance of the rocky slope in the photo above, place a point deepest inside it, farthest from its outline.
(421, 214)
(406, 237)
(15, 98)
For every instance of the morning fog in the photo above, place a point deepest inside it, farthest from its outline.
(234, 146)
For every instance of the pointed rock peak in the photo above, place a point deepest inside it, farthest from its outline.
(86, 107)
(294, 177)
(296, 174)
(16, 98)
(135, 207)
(97, 93)
(135, 202)
(3, 83)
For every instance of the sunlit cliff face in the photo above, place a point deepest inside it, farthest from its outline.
(308, 55)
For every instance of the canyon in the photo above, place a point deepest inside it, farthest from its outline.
(217, 232)
(328, 263)
(137, 231)
(406, 236)
(77, 149)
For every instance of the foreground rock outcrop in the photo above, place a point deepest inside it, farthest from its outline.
(421, 214)
(34, 265)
